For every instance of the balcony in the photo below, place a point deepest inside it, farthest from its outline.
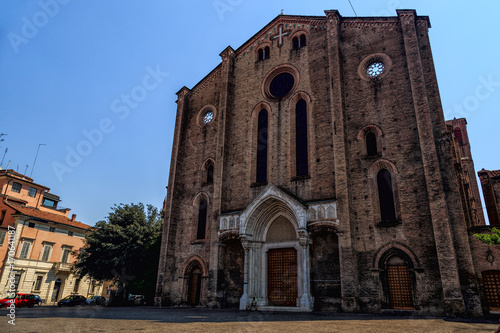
(62, 267)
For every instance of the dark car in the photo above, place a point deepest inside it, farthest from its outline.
(72, 300)
(96, 300)
(139, 300)
(38, 300)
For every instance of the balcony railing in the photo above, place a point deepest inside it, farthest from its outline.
(62, 267)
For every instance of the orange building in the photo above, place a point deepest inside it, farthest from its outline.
(38, 242)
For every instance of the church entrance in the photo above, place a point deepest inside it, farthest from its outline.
(194, 286)
(399, 286)
(282, 277)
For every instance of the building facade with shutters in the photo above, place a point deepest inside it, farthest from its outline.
(38, 241)
(313, 170)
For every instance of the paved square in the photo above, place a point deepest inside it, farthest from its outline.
(149, 319)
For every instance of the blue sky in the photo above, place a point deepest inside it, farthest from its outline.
(69, 67)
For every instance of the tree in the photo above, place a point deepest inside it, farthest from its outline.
(124, 248)
(490, 239)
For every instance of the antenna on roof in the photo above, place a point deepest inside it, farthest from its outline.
(4, 156)
(2, 134)
(40, 144)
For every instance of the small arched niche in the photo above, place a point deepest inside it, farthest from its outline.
(281, 230)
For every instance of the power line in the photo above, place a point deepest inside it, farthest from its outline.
(352, 8)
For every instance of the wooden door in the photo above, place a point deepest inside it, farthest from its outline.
(399, 285)
(194, 287)
(491, 283)
(282, 277)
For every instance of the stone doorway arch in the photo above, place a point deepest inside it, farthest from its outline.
(271, 227)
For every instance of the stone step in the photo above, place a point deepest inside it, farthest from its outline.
(280, 308)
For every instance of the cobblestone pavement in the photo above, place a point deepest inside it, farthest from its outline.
(149, 319)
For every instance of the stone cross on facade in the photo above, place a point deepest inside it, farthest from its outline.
(280, 35)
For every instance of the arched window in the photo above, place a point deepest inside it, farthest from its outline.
(264, 53)
(371, 144)
(458, 135)
(202, 219)
(302, 41)
(262, 147)
(386, 196)
(210, 174)
(301, 138)
(298, 42)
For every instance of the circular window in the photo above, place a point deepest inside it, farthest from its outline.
(281, 85)
(208, 117)
(375, 69)
(280, 82)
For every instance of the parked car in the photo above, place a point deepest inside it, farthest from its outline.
(140, 300)
(136, 299)
(38, 300)
(20, 300)
(96, 300)
(71, 300)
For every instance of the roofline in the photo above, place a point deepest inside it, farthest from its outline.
(204, 78)
(311, 17)
(18, 213)
(25, 179)
(51, 221)
(264, 28)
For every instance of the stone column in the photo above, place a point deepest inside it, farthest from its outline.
(244, 297)
(305, 300)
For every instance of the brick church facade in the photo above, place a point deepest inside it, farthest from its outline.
(313, 170)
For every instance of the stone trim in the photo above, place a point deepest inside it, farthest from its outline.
(382, 251)
(206, 81)
(193, 260)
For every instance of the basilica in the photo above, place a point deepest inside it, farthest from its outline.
(312, 170)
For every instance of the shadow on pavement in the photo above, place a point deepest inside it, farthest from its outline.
(192, 315)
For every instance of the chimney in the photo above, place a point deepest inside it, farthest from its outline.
(73, 217)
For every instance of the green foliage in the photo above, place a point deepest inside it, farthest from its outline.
(490, 239)
(124, 247)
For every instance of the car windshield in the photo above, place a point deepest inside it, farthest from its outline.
(10, 297)
(68, 297)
